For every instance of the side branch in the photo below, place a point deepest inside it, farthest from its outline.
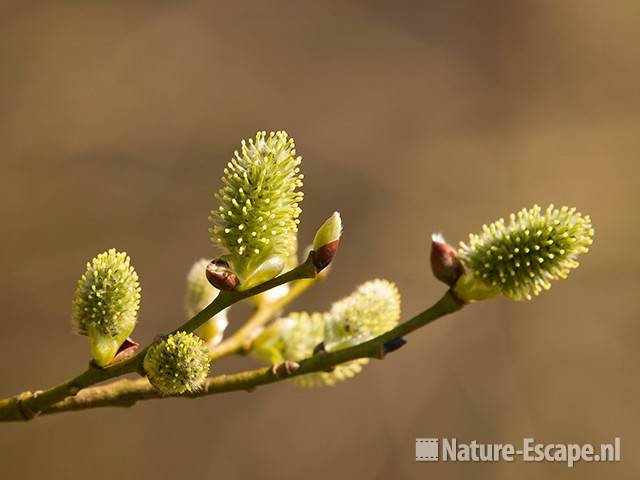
(240, 341)
(127, 392)
(27, 405)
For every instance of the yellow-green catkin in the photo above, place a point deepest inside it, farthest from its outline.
(294, 338)
(177, 364)
(106, 303)
(257, 220)
(371, 310)
(521, 257)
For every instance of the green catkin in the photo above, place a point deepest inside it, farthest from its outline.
(106, 303)
(294, 338)
(177, 364)
(257, 220)
(521, 258)
(371, 310)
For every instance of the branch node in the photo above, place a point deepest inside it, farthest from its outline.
(23, 408)
(285, 369)
(379, 351)
(456, 298)
(321, 350)
(393, 345)
(245, 346)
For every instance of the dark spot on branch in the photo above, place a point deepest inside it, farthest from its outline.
(393, 345)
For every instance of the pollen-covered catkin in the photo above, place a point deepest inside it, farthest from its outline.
(257, 220)
(106, 303)
(371, 310)
(521, 258)
(177, 364)
(294, 338)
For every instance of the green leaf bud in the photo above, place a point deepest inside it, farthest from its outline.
(257, 220)
(326, 241)
(519, 259)
(199, 294)
(177, 364)
(106, 304)
(371, 310)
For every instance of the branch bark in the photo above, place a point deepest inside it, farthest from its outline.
(28, 405)
(125, 393)
(240, 341)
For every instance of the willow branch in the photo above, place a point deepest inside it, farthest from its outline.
(27, 405)
(126, 393)
(240, 341)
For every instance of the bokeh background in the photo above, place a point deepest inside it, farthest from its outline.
(116, 119)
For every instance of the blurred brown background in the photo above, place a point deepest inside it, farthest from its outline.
(116, 119)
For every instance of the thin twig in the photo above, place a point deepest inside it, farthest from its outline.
(27, 405)
(128, 392)
(240, 341)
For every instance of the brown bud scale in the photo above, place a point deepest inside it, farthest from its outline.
(220, 275)
(324, 255)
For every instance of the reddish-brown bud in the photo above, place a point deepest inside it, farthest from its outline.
(220, 275)
(324, 255)
(445, 264)
(285, 369)
(127, 349)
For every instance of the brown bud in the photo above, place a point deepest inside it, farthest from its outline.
(445, 264)
(128, 348)
(324, 255)
(285, 369)
(220, 275)
(319, 349)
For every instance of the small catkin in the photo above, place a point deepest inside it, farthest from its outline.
(106, 303)
(177, 364)
(294, 338)
(371, 310)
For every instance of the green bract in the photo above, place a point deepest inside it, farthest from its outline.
(329, 231)
(199, 294)
(179, 363)
(257, 220)
(106, 303)
(519, 259)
